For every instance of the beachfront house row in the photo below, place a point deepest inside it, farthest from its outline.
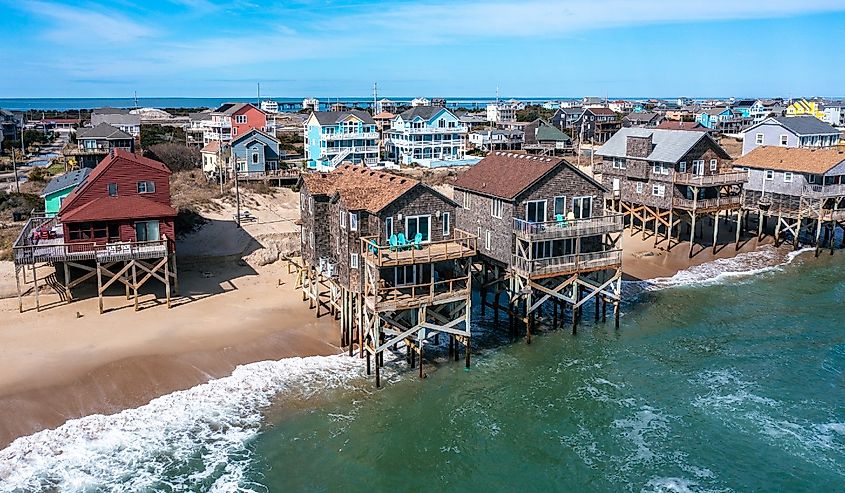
(60, 187)
(541, 227)
(428, 135)
(665, 177)
(95, 143)
(785, 131)
(798, 188)
(396, 268)
(120, 118)
(334, 137)
(231, 120)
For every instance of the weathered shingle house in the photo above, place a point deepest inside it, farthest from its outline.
(541, 224)
(643, 119)
(790, 131)
(95, 143)
(669, 176)
(596, 125)
(120, 118)
(540, 137)
(801, 188)
(386, 251)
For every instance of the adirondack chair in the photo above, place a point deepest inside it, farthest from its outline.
(394, 243)
(561, 220)
(418, 241)
(402, 242)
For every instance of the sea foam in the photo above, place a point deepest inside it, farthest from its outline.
(205, 429)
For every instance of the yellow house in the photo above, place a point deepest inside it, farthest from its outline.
(803, 107)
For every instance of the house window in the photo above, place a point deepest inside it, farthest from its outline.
(240, 118)
(343, 219)
(714, 164)
(404, 275)
(658, 190)
(488, 240)
(496, 208)
(466, 200)
(535, 211)
(682, 167)
(388, 227)
(618, 163)
(146, 231)
(698, 167)
(560, 205)
(353, 221)
(759, 139)
(660, 169)
(254, 158)
(770, 175)
(787, 177)
(811, 178)
(446, 220)
(146, 187)
(112, 189)
(311, 204)
(639, 187)
(582, 207)
(418, 224)
(783, 140)
(353, 260)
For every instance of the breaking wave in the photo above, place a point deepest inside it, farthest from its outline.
(196, 439)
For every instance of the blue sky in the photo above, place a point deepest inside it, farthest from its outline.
(528, 48)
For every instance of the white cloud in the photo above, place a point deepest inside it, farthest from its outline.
(82, 25)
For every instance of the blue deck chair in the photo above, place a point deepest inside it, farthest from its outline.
(402, 243)
(561, 220)
(418, 241)
(394, 243)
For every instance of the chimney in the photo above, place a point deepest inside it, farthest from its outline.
(639, 146)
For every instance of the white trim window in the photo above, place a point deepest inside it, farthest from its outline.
(787, 176)
(418, 224)
(784, 140)
(488, 240)
(446, 223)
(560, 205)
(343, 219)
(240, 119)
(146, 187)
(770, 175)
(582, 207)
(811, 179)
(758, 139)
(619, 163)
(353, 221)
(639, 187)
(353, 260)
(682, 167)
(466, 200)
(496, 207)
(660, 168)
(658, 190)
(714, 165)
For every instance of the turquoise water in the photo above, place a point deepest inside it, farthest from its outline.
(733, 384)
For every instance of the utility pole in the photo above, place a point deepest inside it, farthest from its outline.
(237, 193)
(15, 168)
(259, 94)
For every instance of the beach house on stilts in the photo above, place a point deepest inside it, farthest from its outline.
(116, 226)
(382, 252)
(802, 189)
(544, 238)
(665, 178)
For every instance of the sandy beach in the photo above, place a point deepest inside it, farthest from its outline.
(68, 361)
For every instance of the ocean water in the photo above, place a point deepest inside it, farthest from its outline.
(727, 377)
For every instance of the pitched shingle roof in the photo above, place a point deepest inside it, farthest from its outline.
(424, 112)
(799, 160)
(669, 146)
(505, 174)
(120, 207)
(333, 117)
(541, 131)
(67, 180)
(212, 146)
(360, 188)
(102, 131)
(804, 125)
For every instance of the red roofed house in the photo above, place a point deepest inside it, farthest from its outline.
(125, 199)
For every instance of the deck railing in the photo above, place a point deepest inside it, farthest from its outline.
(351, 136)
(822, 191)
(275, 173)
(568, 263)
(727, 201)
(461, 244)
(567, 228)
(422, 293)
(732, 177)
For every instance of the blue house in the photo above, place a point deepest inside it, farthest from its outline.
(713, 117)
(256, 152)
(333, 137)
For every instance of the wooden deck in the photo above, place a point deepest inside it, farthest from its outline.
(568, 264)
(461, 246)
(413, 296)
(554, 230)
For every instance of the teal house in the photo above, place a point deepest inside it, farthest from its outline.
(60, 187)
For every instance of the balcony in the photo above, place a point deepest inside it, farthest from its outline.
(553, 230)
(351, 136)
(718, 203)
(824, 191)
(350, 150)
(431, 130)
(568, 264)
(403, 297)
(731, 178)
(461, 245)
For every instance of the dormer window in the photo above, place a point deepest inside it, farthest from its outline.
(146, 187)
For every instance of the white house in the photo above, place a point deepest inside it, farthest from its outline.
(420, 102)
(794, 131)
(504, 112)
(428, 135)
(312, 104)
(270, 106)
(834, 114)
